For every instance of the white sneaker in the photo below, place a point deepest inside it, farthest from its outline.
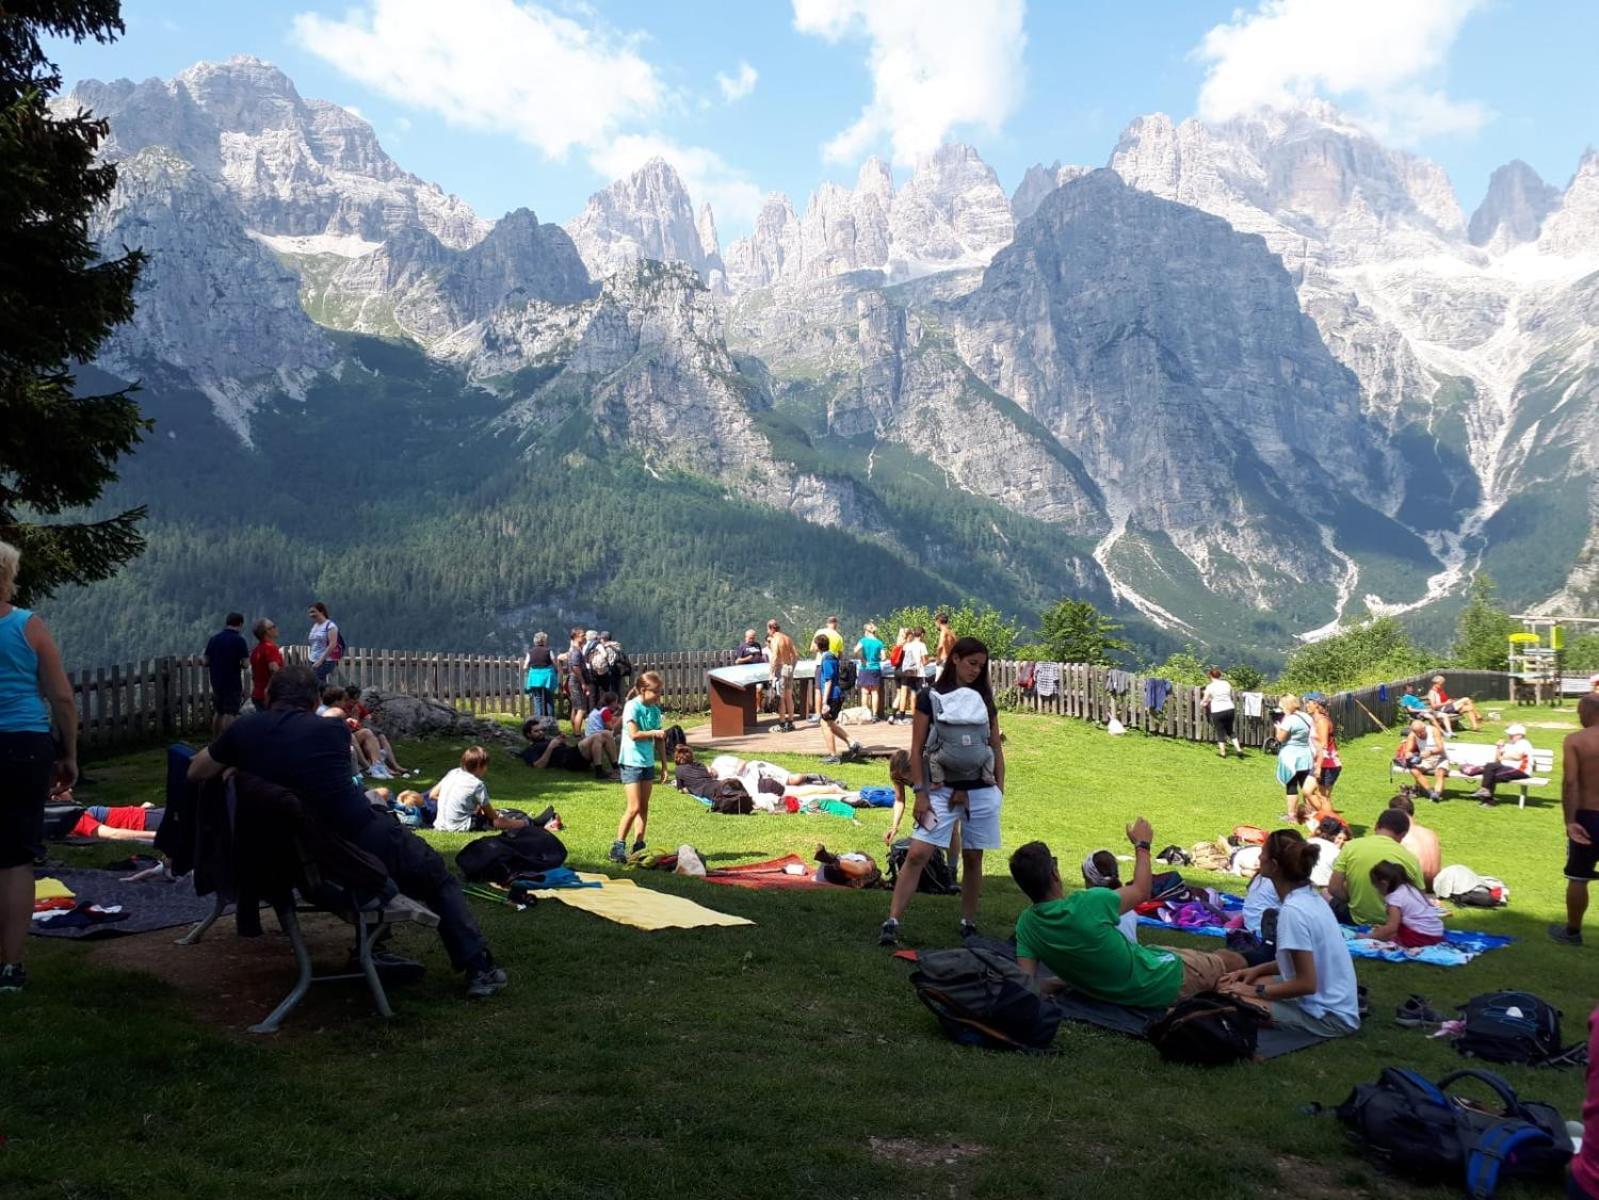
(378, 771)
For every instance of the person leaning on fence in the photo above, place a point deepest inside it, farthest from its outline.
(33, 765)
(539, 664)
(291, 746)
(266, 660)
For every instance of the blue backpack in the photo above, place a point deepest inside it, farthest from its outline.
(1415, 1127)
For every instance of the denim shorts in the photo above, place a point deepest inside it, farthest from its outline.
(637, 774)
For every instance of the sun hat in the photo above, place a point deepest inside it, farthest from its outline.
(1515, 731)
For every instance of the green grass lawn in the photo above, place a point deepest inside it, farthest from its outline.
(787, 1059)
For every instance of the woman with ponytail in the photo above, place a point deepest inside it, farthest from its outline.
(1311, 983)
(641, 731)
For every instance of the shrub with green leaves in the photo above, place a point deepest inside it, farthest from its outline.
(1374, 651)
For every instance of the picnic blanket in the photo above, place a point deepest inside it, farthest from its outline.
(1457, 949)
(1135, 1022)
(623, 901)
(768, 874)
(148, 905)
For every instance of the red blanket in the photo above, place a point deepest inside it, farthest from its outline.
(768, 874)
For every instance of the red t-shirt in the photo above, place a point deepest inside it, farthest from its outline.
(261, 660)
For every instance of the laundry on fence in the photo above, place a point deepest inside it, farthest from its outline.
(1254, 703)
(1047, 678)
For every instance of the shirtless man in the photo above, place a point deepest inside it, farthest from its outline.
(1579, 802)
(946, 641)
(1420, 841)
(781, 654)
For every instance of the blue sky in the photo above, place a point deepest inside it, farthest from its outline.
(510, 102)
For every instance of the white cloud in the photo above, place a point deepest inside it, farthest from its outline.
(493, 65)
(350, 108)
(733, 196)
(936, 65)
(403, 124)
(1370, 54)
(736, 87)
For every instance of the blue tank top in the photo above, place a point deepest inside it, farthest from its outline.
(22, 708)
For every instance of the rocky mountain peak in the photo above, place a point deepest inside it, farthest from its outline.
(1037, 183)
(1514, 209)
(645, 215)
(1572, 229)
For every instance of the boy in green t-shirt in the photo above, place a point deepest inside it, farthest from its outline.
(1079, 938)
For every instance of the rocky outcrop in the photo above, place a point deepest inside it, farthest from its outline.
(647, 215)
(951, 213)
(293, 167)
(1514, 209)
(1039, 182)
(410, 718)
(1166, 351)
(1572, 229)
(212, 304)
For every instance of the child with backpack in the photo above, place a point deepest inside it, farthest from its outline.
(958, 779)
(641, 733)
(830, 689)
(1413, 920)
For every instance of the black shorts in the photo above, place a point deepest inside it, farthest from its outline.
(1328, 776)
(834, 707)
(27, 765)
(912, 682)
(1222, 723)
(228, 703)
(1296, 783)
(1581, 860)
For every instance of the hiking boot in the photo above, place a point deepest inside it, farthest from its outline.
(618, 852)
(639, 847)
(1558, 934)
(889, 934)
(1436, 797)
(485, 983)
(12, 977)
(1482, 794)
(1416, 1012)
(968, 929)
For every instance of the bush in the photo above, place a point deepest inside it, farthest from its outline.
(1183, 667)
(1374, 651)
(1582, 654)
(1001, 635)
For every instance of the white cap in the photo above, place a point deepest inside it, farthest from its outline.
(1515, 731)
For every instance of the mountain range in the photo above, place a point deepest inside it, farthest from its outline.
(1241, 383)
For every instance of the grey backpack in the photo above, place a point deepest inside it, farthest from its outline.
(957, 744)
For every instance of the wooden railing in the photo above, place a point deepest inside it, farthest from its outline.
(164, 698)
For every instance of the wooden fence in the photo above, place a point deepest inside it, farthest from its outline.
(164, 698)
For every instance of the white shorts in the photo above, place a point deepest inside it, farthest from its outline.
(978, 821)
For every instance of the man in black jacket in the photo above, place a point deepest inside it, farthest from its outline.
(291, 746)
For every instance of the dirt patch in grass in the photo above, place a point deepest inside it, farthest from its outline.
(913, 1152)
(234, 981)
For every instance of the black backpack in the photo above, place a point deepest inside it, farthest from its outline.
(1207, 1030)
(730, 798)
(848, 673)
(982, 998)
(1529, 1035)
(510, 853)
(937, 879)
(1415, 1127)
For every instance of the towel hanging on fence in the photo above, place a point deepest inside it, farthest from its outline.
(1118, 682)
(1254, 703)
(1155, 693)
(1046, 678)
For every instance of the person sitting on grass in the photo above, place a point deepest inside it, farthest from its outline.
(1420, 841)
(1448, 708)
(1354, 899)
(1310, 985)
(121, 823)
(1512, 762)
(1101, 870)
(1421, 752)
(366, 753)
(1330, 835)
(291, 747)
(607, 718)
(463, 798)
(1079, 937)
(899, 778)
(416, 809)
(1413, 920)
(355, 710)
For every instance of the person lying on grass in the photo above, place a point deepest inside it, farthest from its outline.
(596, 752)
(1079, 937)
(123, 823)
(1310, 985)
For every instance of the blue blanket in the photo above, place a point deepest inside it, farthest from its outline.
(1457, 949)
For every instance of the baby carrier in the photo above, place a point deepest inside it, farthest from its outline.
(957, 743)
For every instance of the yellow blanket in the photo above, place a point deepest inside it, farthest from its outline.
(50, 889)
(623, 901)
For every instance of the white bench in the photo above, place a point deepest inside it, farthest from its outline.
(1477, 754)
